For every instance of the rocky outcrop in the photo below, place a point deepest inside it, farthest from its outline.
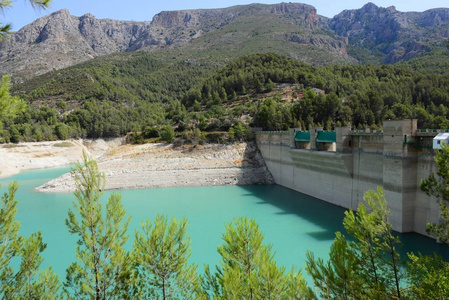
(370, 24)
(433, 17)
(60, 40)
(399, 35)
(320, 41)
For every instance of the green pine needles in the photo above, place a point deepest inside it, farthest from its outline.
(26, 281)
(368, 267)
(161, 253)
(248, 270)
(103, 270)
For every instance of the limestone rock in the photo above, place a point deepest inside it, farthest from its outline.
(61, 40)
(399, 35)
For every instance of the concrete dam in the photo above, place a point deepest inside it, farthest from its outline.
(340, 166)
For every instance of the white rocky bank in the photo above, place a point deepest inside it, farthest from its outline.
(161, 165)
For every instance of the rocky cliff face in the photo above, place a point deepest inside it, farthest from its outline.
(60, 40)
(399, 35)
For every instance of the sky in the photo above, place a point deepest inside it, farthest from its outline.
(22, 14)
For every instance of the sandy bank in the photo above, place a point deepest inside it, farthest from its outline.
(161, 165)
(16, 158)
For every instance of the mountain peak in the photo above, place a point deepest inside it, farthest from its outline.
(392, 9)
(369, 8)
(63, 11)
(87, 16)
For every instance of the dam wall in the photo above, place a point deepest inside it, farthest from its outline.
(341, 171)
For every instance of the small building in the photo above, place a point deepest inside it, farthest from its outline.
(439, 139)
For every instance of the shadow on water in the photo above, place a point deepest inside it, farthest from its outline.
(329, 218)
(326, 216)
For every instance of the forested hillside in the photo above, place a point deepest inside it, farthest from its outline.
(144, 94)
(358, 95)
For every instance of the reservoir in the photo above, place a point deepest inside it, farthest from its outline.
(292, 222)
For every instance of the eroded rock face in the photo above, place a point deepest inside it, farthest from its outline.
(60, 40)
(321, 41)
(399, 35)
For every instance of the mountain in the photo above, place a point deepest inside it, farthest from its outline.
(60, 40)
(391, 35)
(370, 34)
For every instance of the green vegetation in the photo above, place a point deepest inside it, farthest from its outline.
(26, 282)
(133, 93)
(161, 253)
(438, 186)
(370, 266)
(360, 95)
(9, 106)
(103, 270)
(248, 270)
(435, 62)
(429, 274)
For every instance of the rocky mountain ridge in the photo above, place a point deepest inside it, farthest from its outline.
(60, 40)
(397, 35)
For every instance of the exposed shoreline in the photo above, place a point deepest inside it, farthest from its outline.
(142, 166)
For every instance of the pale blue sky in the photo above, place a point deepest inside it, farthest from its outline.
(144, 10)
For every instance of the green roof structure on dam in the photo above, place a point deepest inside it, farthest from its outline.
(326, 137)
(302, 136)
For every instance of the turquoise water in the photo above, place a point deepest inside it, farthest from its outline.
(292, 222)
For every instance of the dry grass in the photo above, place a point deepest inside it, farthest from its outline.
(121, 150)
(8, 146)
(43, 155)
(63, 144)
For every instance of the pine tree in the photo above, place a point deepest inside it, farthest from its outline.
(375, 245)
(27, 282)
(248, 269)
(428, 275)
(161, 253)
(368, 267)
(438, 186)
(103, 270)
(338, 278)
(9, 105)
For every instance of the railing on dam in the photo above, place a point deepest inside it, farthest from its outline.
(367, 131)
(430, 132)
(400, 134)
